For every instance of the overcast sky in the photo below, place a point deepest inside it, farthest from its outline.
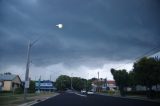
(97, 35)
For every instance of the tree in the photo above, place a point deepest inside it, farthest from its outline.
(78, 83)
(156, 74)
(132, 80)
(63, 82)
(94, 79)
(121, 78)
(31, 87)
(89, 85)
(147, 72)
(84, 83)
(8, 73)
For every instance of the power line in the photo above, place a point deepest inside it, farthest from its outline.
(147, 54)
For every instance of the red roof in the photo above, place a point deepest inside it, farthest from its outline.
(111, 82)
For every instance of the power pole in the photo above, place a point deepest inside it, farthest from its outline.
(98, 75)
(98, 83)
(106, 83)
(71, 82)
(26, 83)
(39, 84)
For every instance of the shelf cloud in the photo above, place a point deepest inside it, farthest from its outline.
(97, 35)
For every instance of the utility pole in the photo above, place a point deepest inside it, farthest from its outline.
(98, 83)
(50, 77)
(61, 84)
(26, 83)
(39, 84)
(71, 82)
(98, 75)
(106, 83)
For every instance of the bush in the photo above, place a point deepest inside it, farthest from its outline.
(104, 91)
(6, 92)
(18, 91)
(110, 92)
(136, 93)
(151, 95)
(31, 87)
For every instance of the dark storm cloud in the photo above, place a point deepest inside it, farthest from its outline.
(93, 30)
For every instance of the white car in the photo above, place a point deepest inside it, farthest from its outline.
(83, 92)
(90, 92)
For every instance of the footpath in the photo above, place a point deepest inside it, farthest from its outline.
(38, 99)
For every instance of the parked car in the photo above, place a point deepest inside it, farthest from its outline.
(83, 92)
(90, 92)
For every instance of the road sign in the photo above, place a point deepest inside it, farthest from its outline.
(26, 84)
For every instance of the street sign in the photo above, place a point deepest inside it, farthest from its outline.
(26, 84)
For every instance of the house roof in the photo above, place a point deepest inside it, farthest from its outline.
(111, 82)
(7, 77)
(103, 81)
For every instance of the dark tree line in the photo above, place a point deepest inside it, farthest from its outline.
(146, 72)
(63, 82)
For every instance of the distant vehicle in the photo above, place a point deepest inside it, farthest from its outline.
(90, 92)
(69, 90)
(83, 92)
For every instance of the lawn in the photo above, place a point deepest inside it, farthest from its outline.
(14, 100)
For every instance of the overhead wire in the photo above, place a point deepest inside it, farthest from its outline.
(146, 54)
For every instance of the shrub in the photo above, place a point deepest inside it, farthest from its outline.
(151, 95)
(18, 91)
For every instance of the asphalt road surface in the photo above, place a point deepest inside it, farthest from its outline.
(71, 99)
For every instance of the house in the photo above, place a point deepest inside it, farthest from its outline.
(45, 85)
(111, 84)
(9, 82)
(144, 88)
(103, 85)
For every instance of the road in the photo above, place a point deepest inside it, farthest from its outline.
(71, 99)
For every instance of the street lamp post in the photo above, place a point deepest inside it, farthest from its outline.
(26, 83)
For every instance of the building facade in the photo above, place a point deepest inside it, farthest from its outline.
(45, 85)
(9, 82)
(103, 85)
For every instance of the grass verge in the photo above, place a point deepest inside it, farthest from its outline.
(14, 100)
